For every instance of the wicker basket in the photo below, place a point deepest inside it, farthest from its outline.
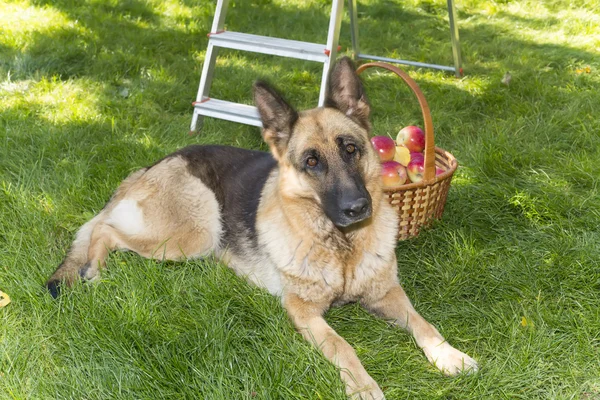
(418, 204)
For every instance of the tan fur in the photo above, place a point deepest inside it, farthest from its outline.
(187, 224)
(165, 212)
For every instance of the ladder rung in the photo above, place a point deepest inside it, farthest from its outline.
(270, 45)
(229, 111)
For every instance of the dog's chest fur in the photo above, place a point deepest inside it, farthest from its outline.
(331, 267)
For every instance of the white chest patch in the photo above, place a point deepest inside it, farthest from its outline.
(127, 217)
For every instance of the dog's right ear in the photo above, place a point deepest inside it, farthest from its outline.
(277, 116)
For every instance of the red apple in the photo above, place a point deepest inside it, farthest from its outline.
(415, 170)
(411, 137)
(439, 171)
(393, 174)
(384, 146)
(417, 156)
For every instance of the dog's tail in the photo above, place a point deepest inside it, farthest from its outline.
(76, 262)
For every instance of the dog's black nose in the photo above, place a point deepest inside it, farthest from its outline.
(357, 207)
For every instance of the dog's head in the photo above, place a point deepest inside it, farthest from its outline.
(325, 154)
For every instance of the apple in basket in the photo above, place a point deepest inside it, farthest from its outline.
(415, 169)
(385, 147)
(402, 155)
(393, 174)
(412, 137)
(417, 156)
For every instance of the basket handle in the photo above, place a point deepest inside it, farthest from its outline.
(429, 161)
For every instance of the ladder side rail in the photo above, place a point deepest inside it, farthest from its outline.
(333, 36)
(352, 10)
(455, 39)
(219, 19)
(210, 58)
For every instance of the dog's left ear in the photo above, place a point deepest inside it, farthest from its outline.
(277, 116)
(345, 92)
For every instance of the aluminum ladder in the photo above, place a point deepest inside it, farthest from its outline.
(205, 106)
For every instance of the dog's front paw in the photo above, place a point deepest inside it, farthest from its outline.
(367, 391)
(449, 360)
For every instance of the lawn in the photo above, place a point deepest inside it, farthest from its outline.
(92, 90)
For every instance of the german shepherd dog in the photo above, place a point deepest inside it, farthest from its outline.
(308, 222)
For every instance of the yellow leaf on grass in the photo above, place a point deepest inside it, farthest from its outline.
(4, 299)
(526, 322)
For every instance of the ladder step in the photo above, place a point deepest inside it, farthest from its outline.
(270, 45)
(229, 111)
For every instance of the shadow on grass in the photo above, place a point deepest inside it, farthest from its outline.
(137, 72)
(130, 47)
(112, 42)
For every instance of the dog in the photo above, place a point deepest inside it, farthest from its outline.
(307, 221)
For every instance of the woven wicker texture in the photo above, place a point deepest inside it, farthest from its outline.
(418, 204)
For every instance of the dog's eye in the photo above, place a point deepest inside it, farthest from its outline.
(312, 162)
(350, 148)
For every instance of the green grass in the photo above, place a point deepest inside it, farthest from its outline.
(92, 90)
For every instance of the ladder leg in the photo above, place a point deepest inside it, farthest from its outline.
(333, 36)
(354, 29)
(219, 20)
(205, 82)
(209, 63)
(455, 39)
(197, 123)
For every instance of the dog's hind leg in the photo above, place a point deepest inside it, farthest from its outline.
(87, 256)
(396, 306)
(76, 260)
(162, 212)
(77, 263)
(104, 239)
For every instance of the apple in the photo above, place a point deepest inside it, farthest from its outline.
(417, 156)
(384, 146)
(412, 137)
(439, 171)
(393, 174)
(415, 170)
(402, 155)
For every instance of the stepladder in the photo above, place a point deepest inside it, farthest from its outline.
(205, 106)
(325, 53)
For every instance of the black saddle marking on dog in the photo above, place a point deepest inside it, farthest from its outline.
(237, 177)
